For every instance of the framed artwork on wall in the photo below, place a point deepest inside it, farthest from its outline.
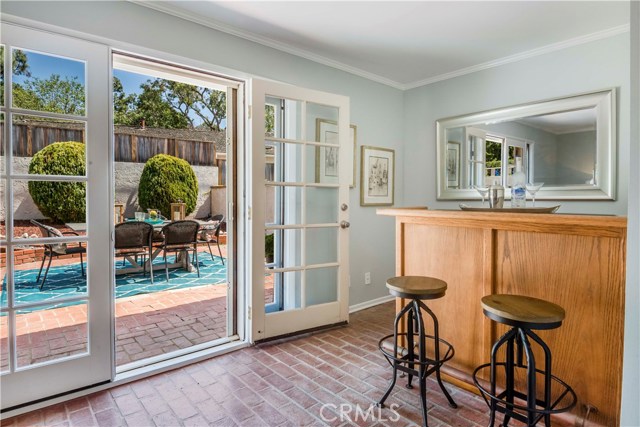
(327, 157)
(453, 164)
(377, 169)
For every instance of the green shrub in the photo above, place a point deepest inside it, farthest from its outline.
(166, 179)
(61, 201)
(268, 245)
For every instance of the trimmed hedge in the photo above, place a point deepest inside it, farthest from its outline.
(166, 179)
(60, 201)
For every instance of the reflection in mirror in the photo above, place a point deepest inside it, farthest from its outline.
(569, 144)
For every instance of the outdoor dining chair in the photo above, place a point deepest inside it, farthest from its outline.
(180, 236)
(56, 250)
(208, 237)
(134, 239)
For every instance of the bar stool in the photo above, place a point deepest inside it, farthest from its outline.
(523, 314)
(405, 359)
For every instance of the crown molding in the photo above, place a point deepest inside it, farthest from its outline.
(265, 41)
(524, 55)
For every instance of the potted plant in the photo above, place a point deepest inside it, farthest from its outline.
(268, 248)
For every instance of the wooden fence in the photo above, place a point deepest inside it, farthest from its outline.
(131, 145)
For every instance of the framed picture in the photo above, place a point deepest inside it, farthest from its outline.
(327, 157)
(453, 164)
(377, 169)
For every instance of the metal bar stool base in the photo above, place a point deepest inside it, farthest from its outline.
(416, 364)
(534, 409)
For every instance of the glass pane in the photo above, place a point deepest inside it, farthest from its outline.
(48, 83)
(50, 333)
(321, 285)
(63, 273)
(287, 248)
(56, 204)
(2, 145)
(3, 277)
(283, 162)
(283, 291)
(321, 245)
(269, 280)
(48, 146)
(322, 205)
(494, 163)
(514, 152)
(3, 210)
(270, 120)
(287, 118)
(321, 123)
(283, 205)
(2, 75)
(4, 342)
(322, 164)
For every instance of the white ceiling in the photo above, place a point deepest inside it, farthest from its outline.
(409, 43)
(565, 122)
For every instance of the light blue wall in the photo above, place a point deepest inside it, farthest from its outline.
(585, 68)
(594, 66)
(376, 109)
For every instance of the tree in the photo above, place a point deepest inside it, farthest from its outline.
(123, 105)
(20, 67)
(170, 105)
(152, 107)
(208, 105)
(55, 95)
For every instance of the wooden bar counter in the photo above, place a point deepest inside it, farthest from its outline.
(575, 261)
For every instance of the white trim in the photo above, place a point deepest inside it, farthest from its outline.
(265, 41)
(621, 29)
(370, 303)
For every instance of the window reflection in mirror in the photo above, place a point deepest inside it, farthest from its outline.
(568, 144)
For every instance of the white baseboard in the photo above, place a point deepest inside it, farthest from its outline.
(371, 303)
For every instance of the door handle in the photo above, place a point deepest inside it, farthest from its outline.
(345, 224)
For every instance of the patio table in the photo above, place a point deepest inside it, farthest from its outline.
(181, 261)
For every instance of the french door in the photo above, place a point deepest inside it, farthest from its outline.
(301, 163)
(54, 341)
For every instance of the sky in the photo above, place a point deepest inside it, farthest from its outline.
(43, 66)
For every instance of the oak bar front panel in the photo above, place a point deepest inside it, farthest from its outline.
(576, 261)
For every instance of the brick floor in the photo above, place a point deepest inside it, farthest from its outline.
(299, 381)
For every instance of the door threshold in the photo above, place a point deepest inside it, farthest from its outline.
(297, 334)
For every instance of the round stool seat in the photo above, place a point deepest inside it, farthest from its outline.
(416, 287)
(523, 311)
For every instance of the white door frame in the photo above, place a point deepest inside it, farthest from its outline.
(27, 384)
(289, 321)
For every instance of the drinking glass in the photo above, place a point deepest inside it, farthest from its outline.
(140, 216)
(532, 188)
(484, 192)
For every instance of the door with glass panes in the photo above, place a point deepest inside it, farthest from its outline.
(55, 311)
(302, 167)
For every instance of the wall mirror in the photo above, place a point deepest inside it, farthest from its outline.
(569, 144)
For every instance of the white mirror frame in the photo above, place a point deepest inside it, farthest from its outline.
(605, 104)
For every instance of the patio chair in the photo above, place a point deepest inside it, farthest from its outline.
(52, 250)
(180, 236)
(133, 239)
(208, 237)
